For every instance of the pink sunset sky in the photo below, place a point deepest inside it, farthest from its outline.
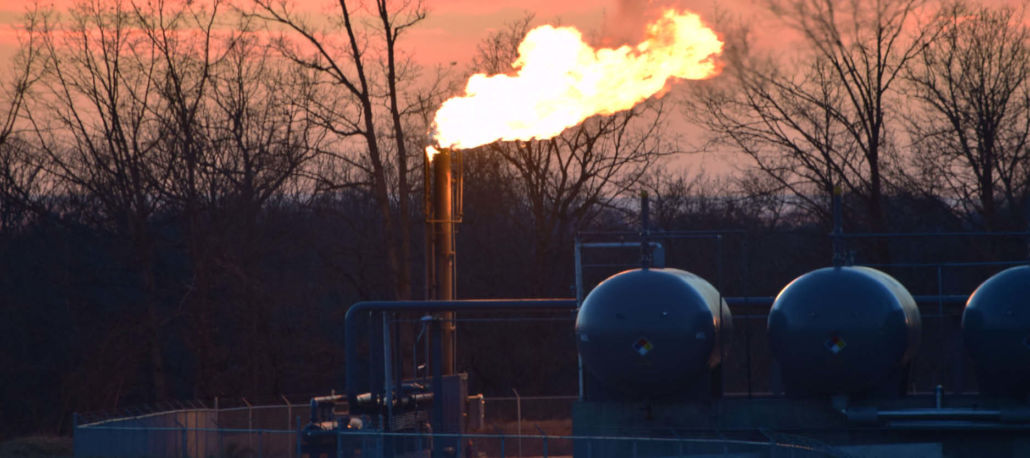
(454, 27)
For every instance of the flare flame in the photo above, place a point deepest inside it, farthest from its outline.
(559, 81)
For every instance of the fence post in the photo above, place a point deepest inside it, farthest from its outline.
(578, 257)
(940, 310)
(261, 444)
(75, 431)
(289, 410)
(250, 423)
(518, 413)
(299, 432)
(196, 433)
(339, 444)
(146, 440)
(184, 453)
(382, 440)
(502, 445)
(542, 433)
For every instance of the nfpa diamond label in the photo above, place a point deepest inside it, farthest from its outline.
(643, 346)
(835, 344)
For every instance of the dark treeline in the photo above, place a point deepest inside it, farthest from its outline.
(192, 193)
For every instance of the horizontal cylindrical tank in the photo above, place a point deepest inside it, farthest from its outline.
(996, 331)
(645, 333)
(843, 330)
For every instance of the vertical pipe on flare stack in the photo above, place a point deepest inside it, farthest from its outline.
(441, 217)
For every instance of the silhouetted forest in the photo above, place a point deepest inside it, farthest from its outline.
(193, 192)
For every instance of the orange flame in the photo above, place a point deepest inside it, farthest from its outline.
(560, 81)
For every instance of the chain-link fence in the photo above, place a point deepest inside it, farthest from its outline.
(514, 426)
(133, 437)
(246, 431)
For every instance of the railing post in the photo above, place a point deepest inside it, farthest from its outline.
(502, 445)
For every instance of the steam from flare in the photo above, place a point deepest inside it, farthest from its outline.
(560, 81)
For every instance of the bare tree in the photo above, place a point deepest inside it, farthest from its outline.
(28, 66)
(260, 139)
(185, 49)
(366, 66)
(234, 136)
(18, 172)
(825, 125)
(93, 124)
(693, 199)
(784, 123)
(972, 122)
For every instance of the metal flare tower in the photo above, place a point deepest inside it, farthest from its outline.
(443, 191)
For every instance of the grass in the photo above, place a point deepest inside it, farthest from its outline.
(529, 447)
(37, 446)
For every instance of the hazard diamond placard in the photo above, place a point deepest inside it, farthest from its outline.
(835, 344)
(643, 346)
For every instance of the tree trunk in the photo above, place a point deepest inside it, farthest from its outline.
(153, 326)
(877, 215)
(403, 289)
